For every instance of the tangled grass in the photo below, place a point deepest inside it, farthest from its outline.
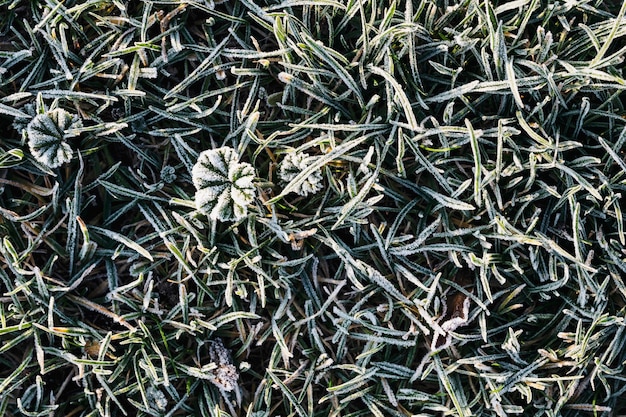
(454, 244)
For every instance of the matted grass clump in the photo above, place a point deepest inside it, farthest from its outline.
(312, 208)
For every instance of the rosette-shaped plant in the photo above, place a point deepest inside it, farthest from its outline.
(293, 164)
(47, 134)
(224, 185)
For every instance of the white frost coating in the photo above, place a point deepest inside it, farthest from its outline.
(224, 185)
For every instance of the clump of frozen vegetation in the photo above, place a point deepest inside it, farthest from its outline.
(293, 165)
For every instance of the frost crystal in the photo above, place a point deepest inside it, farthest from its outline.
(225, 376)
(47, 134)
(157, 398)
(293, 164)
(224, 185)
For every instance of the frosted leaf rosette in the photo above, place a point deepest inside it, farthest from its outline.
(224, 185)
(292, 165)
(47, 136)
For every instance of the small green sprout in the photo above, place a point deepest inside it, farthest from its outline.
(224, 185)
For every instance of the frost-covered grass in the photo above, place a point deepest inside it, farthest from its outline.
(312, 208)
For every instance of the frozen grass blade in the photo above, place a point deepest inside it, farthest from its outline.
(477, 163)
(123, 240)
(399, 94)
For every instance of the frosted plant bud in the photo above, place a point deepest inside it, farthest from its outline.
(225, 376)
(157, 398)
(295, 163)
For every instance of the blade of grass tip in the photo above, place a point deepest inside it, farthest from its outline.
(316, 3)
(521, 37)
(477, 162)
(341, 127)
(110, 392)
(453, 93)
(606, 44)
(314, 91)
(351, 205)
(258, 11)
(99, 309)
(576, 226)
(133, 73)
(155, 348)
(74, 210)
(326, 55)
(19, 371)
(57, 53)
(12, 216)
(612, 153)
(401, 170)
(197, 73)
(546, 143)
(386, 285)
(441, 180)
(416, 245)
(282, 343)
(552, 246)
(289, 396)
(460, 403)
(400, 95)
(51, 13)
(499, 148)
(123, 240)
(446, 201)
(183, 300)
(78, 95)
(620, 222)
(10, 111)
(39, 353)
(11, 157)
(233, 316)
(228, 292)
(104, 346)
(510, 76)
(580, 180)
(592, 37)
(173, 248)
(118, 190)
(186, 154)
(355, 383)
(372, 405)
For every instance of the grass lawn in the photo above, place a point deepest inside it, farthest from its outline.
(312, 208)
